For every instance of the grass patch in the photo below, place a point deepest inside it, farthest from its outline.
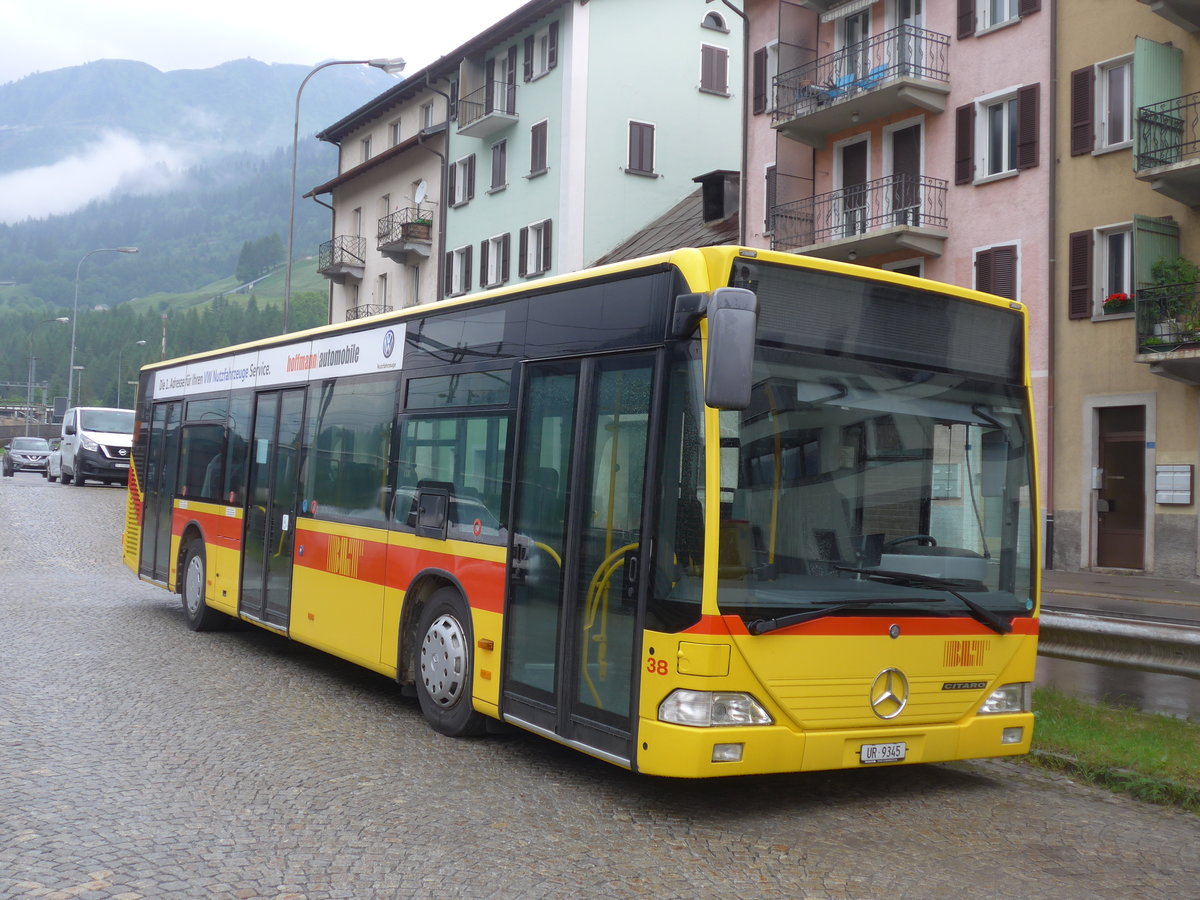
(1153, 757)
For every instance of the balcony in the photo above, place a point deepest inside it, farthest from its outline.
(1184, 13)
(1168, 148)
(405, 234)
(1168, 331)
(483, 112)
(343, 258)
(891, 72)
(900, 212)
(367, 309)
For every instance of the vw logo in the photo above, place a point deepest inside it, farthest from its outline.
(389, 343)
(889, 693)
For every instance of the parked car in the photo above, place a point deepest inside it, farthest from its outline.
(25, 454)
(96, 443)
(54, 463)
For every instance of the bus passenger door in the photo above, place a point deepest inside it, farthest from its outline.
(158, 489)
(577, 557)
(270, 516)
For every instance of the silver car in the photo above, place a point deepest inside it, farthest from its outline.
(25, 454)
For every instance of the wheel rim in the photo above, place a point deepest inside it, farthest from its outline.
(193, 585)
(444, 661)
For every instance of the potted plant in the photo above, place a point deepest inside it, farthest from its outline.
(1174, 290)
(1117, 303)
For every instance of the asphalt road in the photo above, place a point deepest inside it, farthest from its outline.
(141, 760)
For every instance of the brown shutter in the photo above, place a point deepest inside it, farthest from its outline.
(769, 199)
(452, 114)
(489, 79)
(483, 261)
(1082, 106)
(964, 144)
(523, 253)
(450, 272)
(552, 50)
(452, 178)
(966, 18)
(1079, 275)
(983, 271)
(467, 268)
(471, 177)
(504, 254)
(546, 246)
(1025, 7)
(1028, 125)
(529, 58)
(1004, 272)
(760, 81)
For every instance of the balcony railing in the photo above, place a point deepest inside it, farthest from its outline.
(367, 309)
(916, 201)
(344, 255)
(1168, 317)
(413, 223)
(902, 52)
(488, 109)
(1168, 132)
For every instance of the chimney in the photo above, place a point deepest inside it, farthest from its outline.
(720, 194)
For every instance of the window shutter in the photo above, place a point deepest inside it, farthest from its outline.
(760, 81)
(546, 246)
(504, 254)
(1028, 125)
(471, 177)
(1004, 272)
(966, 18)
(1083, 105)
(983, 271)
(1025, 7)
(1153, 239)
(523, 253)
(483, 264)
(467, 268)
(964, 144)
(1079, 275)
(453, 111)
(713, 69)
(452, 178)
(769, 200)
(489, 79)
(529, 58)
(552, 50)
(450, 273)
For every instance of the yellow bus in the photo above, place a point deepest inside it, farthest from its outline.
(716, 511)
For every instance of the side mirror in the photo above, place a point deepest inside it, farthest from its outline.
(69, 429)
(729, 367)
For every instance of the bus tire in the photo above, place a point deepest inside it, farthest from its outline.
(445, 666)
(200, 616)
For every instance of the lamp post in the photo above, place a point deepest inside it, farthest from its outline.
(392, 67)
(33, 367)
(75, 314)
(75, 369)
(122, 350)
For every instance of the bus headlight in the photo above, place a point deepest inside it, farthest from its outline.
(706, 709)
(1009, 698)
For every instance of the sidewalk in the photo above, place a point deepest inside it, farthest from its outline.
(1168, 598)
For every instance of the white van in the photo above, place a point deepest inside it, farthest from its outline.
(96, 443)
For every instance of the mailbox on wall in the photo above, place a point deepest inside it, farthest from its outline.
(1173, 485)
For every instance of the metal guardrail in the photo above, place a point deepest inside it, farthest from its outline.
(1169, 648)
(1168, 132)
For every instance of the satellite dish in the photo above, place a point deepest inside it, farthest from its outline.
(419, 196)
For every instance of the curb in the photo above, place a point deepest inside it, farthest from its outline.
(1149, 788)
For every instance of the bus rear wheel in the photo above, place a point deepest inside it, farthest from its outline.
(200, 616)
(445, 666)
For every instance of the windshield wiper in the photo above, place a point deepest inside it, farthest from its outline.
(762, 626)
(980, 613)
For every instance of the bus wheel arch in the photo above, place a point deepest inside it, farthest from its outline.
(441, 652)
(193, 576)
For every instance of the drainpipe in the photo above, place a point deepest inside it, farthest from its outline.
(745, 119)
(1051, 267)
(329, 290)
(439, 264)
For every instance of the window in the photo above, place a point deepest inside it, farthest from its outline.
(714, 70)
(1100, 264)
(537, 149)
(1115, 111)
(541, 52)
(997, 135)
(458, 271)
(1116, 261)
(766, 69)
(394, 133)
(995, 12)
(534, 252)
(714, 21)
(641, 148)
(462, 181)
(499, 166)
(996, 271)
(385, 205)
(348, 431)
(980, 15)
(365, 144)
(427, 115)
(381, 290)
(493, 261)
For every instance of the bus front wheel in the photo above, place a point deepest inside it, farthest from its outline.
(200, 616)
(445, 666)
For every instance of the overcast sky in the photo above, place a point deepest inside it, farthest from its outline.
(40, 35)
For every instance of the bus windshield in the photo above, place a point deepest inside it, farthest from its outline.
(864, 486)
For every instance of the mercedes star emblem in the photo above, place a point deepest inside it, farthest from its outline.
(889, 693)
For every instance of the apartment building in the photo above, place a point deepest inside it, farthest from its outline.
(534, 148)
(1126, 336)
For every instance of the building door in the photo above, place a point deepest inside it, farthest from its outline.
(577, 563)
(1121, 498)
(270, 514)
(910, 18)
(906, 176)
(853, 158)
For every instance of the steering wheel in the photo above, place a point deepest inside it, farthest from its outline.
(919, 538)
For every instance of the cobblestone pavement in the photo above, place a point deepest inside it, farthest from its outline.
(140, 760)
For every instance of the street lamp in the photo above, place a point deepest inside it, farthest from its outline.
(75, 369)
(75, 314)
(33, 367)
(122, 350)
(392, 67)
